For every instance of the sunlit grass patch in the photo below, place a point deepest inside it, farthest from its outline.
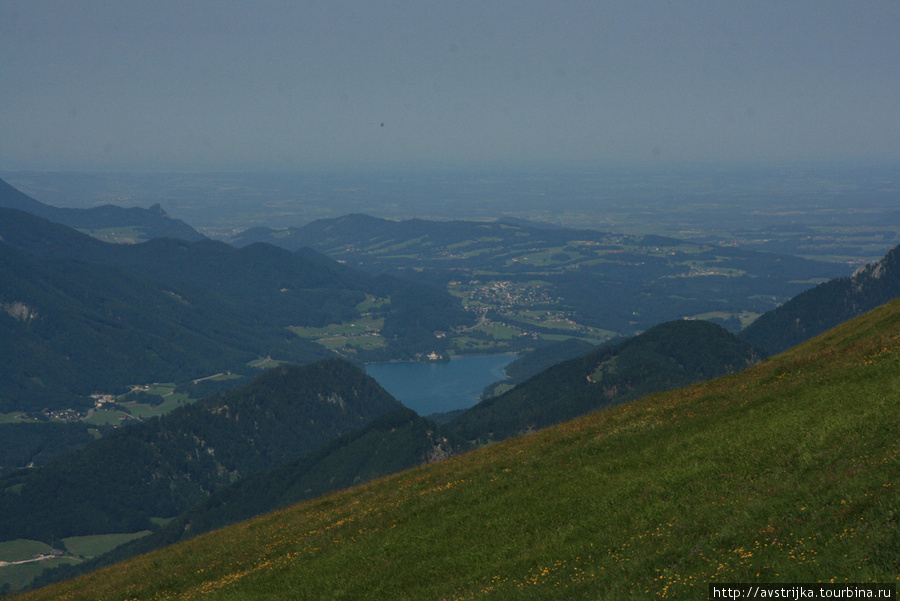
(15, 417)
(107, 417)
(265, 363)
(363, 333)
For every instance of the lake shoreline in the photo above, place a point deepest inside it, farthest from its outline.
(429, 387)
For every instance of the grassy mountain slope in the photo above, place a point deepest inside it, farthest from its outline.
(784, 472)
(163, 467)
(667, 356)
(143, 224)
(812, 312)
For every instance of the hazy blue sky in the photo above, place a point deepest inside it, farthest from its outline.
(93, 85)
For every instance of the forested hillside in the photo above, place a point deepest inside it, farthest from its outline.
(667, 356)
(79, 316)
(69, 329)
(162, 467)
(827, 305)
(36, 443)
(534, 361)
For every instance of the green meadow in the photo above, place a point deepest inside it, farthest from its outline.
(12, 418)
(91, 546)
(118, 235)
(169, 400)
(76, 549)
(786, 472)
(745, 318)
(362, 333)
(108, 417)
(266, 363)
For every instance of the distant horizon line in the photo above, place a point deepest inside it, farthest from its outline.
(561, 167)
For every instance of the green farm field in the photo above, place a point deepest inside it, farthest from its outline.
(362, 333)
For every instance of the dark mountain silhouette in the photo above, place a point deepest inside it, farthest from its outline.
(151, 223)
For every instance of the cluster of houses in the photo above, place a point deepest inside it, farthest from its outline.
(101, 401)
(66, 415)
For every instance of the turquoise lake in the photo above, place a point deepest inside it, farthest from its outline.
(428, 388)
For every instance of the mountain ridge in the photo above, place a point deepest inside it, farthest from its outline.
(151, 223)
(833, 302)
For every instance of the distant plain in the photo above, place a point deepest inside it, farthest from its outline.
(839, 213)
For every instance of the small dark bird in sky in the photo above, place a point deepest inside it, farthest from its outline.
(382, 124)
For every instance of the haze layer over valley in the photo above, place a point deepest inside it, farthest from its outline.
(823, 211)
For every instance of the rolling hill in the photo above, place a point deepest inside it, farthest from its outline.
(554, 283)
(784, 472)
